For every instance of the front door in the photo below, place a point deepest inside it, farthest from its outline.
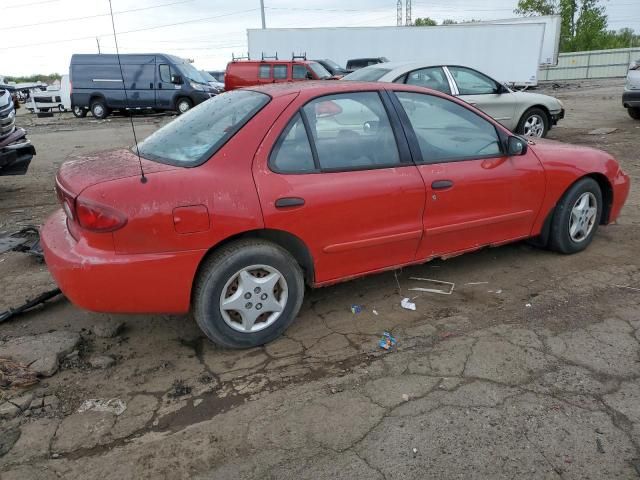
(486, 94)
(334, 175)
(166, 91)
(476, 195)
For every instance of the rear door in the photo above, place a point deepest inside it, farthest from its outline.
(476, 195)
(139, 76)
(484, 93)
(430, 77)
(338, 175)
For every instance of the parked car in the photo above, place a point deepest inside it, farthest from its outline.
(153, 81)
(257, 191)
(217, 74)
(358, 63)
(333, 68)
(213, 83)
(16, 151)
(248, 73)
(526, 113)
(631, 95)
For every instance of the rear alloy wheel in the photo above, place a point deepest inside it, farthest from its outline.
(576, 218)
(99, 109)
(634, 112)
(184, 105)
(534, 123)
(247, 294)
(79, 111)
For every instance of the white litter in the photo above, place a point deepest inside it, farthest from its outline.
(527, 305)
(113, 405)
(407, 304)
(476, 283)
(405, 397)
(375, 312)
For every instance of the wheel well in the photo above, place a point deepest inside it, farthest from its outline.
(181, 97)
(96, 97)
(286, 240)
(541, 107)
(607, 201)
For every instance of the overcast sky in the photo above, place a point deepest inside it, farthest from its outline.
(207, 31)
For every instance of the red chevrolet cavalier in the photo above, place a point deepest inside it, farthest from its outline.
(256, 192)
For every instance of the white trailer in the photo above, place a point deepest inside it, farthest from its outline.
(507, 52)
(54, 98)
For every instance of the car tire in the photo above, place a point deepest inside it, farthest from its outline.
(243, 266)
(634, 112)
(99, 109)
(534, 122)
(183, 105)
(79, 112)
(574, 221)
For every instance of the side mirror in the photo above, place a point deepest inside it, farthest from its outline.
(500, 89)
(176, 79)
(516, 146)
(309, 76)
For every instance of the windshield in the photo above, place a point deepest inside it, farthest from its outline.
(207, 77)
(319, 70)
(195, 136)
(190, 73)
(333, 64)
(368, 74)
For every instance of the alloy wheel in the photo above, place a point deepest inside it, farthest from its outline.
(583, 217)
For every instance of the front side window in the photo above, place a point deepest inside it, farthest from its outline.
(321, 72)
(432, 77)
(471, 82)
(264, 71)
(195, 136)
(165, 73)
(447, 131)
(280, 72)
(299, 72)
(351, 131)
(292, 153)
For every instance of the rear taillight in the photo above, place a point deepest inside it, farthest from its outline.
(98, 218)
(66, 199)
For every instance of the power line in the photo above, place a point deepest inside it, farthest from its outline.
(204, 19)
(64, 20)
(29, 4)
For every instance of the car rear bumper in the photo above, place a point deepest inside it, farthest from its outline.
(631, 98)
(621, 187)
(104, 281)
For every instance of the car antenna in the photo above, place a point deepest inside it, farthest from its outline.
(143, 179)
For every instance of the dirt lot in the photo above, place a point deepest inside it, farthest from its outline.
(529, 370)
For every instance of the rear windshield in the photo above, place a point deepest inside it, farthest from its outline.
(195, 136)
(369, 74)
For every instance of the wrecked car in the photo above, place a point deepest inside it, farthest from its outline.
(16, 151)
(236, 205)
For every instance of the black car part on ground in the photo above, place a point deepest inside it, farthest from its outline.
(29, 304)
(16, 152)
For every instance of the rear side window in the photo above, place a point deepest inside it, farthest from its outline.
(280, 72)
(165, 73)
(292, 153)
(264, 71)
(447, 131)
(299, 72)
(195, 136)
(352, 131)
(432, 77)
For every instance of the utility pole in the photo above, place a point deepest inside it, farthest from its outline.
(408, 13)
(399, 15)
(98, 42)
(264, 23)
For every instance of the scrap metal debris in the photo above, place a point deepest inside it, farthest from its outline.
(442, 291)
(387, 342)
(29, 304)
(26, 241)
(113, 405)
(355, 309)
(14, 374)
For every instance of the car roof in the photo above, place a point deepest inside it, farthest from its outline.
(317, 86)
(269, 60)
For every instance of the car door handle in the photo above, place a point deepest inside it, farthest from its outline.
(150, 85)
(288, 202)
(442, 184)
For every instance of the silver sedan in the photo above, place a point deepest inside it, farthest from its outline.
(522, 112)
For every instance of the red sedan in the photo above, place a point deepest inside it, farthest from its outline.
(258, 191)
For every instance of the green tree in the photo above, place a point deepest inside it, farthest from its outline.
(425, 22)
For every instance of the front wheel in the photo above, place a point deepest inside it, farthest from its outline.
(534, 123)
(184, 105)
(634, 112)
(247, 294)
(576, 218)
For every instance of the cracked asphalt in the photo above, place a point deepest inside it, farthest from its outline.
(530, 369)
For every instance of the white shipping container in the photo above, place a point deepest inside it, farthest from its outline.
(509, 53)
